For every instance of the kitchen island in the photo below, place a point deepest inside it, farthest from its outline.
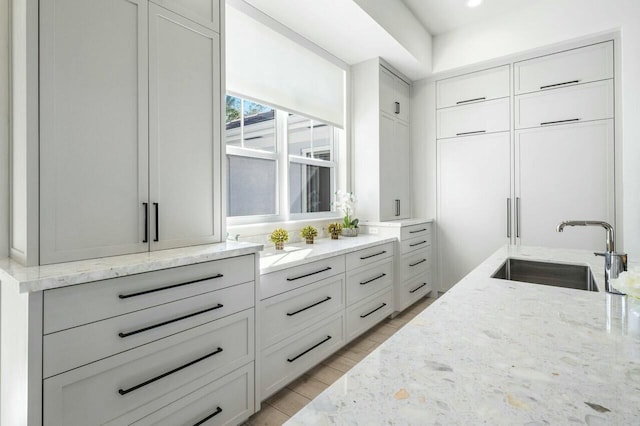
(500, 352)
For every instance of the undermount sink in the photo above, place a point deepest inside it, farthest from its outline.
(578, 277)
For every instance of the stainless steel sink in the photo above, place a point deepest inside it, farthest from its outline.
(554, 274)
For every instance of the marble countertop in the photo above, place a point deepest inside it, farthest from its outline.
(397, 223)
(500, 352)
(38, 278)
(272, 260)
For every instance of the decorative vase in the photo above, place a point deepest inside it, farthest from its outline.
(309, 240)
(279, 246)
(334, 236)
(350, 232)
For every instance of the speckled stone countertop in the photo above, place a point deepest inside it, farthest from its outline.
(500, 352)
(38, 278)
(397, 223)
(272, 260)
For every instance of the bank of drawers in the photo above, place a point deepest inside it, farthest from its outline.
(152, 340)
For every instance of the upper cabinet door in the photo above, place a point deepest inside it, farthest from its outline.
(204, 12)
(388, 96)
(395, 169)
(184, 126)
(484, 117)
(575, 66)
(474, 87)
(403, 95)
(93, 128)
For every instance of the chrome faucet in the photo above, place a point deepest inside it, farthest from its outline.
(614, 262)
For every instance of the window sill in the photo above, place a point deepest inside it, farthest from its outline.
(290, 225)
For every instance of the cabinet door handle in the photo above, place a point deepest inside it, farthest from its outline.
(471, 100)
(397, 107)
(475, 132)
(373, 255)
(571, 120)
(373, 279)
(168, 373)
(146, 222)
(209, 417)
(417, 263)
(417, 244)
(397, 207)
(157, 238)
(417, 288)
(309, 350)
(517, 217)
(160, 324)
(375, 310)
(508, 217)
(559, 84)
(290, 314)
(140, 293)
(309, 274)
(419, 230)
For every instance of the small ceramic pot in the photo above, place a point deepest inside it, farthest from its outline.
(349, 232)
(279, 246)
(309, 240)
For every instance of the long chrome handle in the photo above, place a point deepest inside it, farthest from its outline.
(508, 217)
(559, 84)
(517, 217)
(397, 107)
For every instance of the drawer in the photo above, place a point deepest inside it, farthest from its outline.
(204, 12)
(82, 345)
(413, 244)
(81, 304)
(370, 255)
(227, 401)
(364, 282)
(584, 102)
(582, 65)
(484, 117)
(298, 276)
(110, 388)
(415, 231)
(298, 309)
(364, 315)
(415, 263)
(414, 289)
(287, 360)
(477, 86)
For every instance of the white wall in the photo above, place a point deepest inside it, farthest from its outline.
(4, 128)
(548, 22)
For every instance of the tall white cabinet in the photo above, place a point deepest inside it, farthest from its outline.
(130, 104)
(381, 140)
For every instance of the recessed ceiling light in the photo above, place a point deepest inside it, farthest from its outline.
(474, 3)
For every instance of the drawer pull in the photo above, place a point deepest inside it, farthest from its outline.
(471, 100)
(559, 84)
(417, 288)
(417, 263)
(375, 310)
(572, 120)
(373, 279)
(209, 417)
(312, 273)
(417, 244)
(471, 133)
(290, 314)
(168, 373)
(309, 350)
(373, 255)
(160, 324)
(419, 230)
(146, 222)
(126, 296)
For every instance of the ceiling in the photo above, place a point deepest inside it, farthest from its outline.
(441, 16)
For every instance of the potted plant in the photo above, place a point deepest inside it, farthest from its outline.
(346, 202)
(279, 237)
(334, 230)
(309, 233)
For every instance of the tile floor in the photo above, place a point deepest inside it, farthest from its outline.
(278, 408)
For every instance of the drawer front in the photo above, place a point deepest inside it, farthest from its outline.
(371, 279)
(368, 256)
(204, 12)
(484, 117)
(581, 65)
(415, 263)
(227, 401)
(298, 276)
(108, 389)
(81, 304)
(414, 289)
(295, 310)
(82, 345)
(415, 231)
(478, 86)
(290, 358)
(584, 102)
(413, 244)
(364, 315)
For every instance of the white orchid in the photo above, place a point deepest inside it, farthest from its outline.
(346, 202)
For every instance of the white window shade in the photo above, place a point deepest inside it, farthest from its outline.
(263, 64)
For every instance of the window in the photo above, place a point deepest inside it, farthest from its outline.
(273, 174)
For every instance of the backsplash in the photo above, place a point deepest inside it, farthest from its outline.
(257, 234)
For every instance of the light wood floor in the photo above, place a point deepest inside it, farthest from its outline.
(277, 409)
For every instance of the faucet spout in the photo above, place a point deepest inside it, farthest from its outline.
(610, 242)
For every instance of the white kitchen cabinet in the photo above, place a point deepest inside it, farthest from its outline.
(564, 172)
(473, 87)
(482, 117)
(575, 66)
(474, 188)
(382, 142)
(204, 12)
